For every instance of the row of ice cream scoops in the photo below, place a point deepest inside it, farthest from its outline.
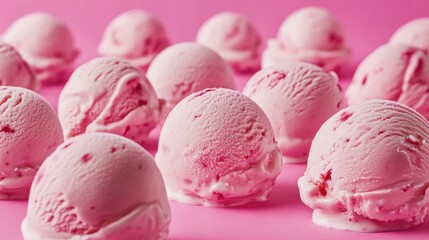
(217, 147)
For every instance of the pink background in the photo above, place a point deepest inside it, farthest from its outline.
(368, 23)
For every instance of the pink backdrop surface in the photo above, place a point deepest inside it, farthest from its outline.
(368, 23)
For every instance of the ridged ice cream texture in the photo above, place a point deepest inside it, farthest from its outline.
(396, 72)
(185, 68)
(108, 94)
(217, 148)
(136, 36)
(310, 34)
(297, 98)
(29, 132)
(98, 186)
(45, 43)
(14, 71)
(368, 169)
(234, 37)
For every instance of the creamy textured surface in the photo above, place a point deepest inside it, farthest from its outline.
(217, 148)
(368, 169)
(311, 35)
(414, 33)
(14, 71)
(185, 68)
(45, 43)
(297, 98)
(29, 132)
(395, 72)
(97, 186)
(136, 36)
(234, 38)
(107, 94)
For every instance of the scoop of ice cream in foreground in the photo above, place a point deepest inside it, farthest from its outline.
(234, 38)
(136, 36)
(395, 72)
(368, 169)
(14, 71)
(107, 94)
(45, 43)
(185, 68)
(414, 33)
(29, 132)
(217, 148)
(97, 186)
(297, 98)
(312, 35)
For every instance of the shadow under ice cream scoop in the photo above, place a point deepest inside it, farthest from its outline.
(45, 43)
(97, 186)
(234, 38)
(217, 148)
(29, 132)
(368, 169)
(135, 36)
(108, 94)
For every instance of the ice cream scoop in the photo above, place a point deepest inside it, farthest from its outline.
(45, 43)
(235, 38)
(368, 169)
(414, 33)
(217, 148)
(310, 34)
(14, 71)
(185, 68)
(29, 132)
(135, 36)
(297, 98)
(97, 186)
(108, 94)
(396, 72)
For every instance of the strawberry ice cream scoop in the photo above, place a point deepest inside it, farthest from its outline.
(414, 33)
(14, 71)
(107, 94)
(45, 43)
(235, 38)
(297, 98)
(97, 186)
(311, 34)
(135, 36)
(29, 132)
(395, 72)
(217, 148)
(368, 169)
(185, 68)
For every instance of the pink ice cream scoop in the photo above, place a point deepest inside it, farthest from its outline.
(185, 68)
(311, 34)
(29, 132)
(107, 94)
(45, 43)
(395, 72)
(234, 38)
(368, 169)
(97, 186)
(297, 98)
(14, 71)
(414, 33)
(217, 148)
(135, 36)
